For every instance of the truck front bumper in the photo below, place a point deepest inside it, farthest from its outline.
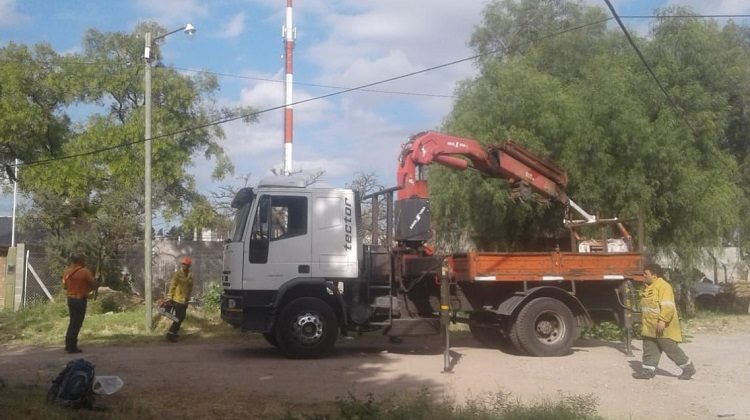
(231, 310)
(243, 309)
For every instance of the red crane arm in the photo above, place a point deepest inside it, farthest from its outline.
(518, 164)
(508, 161)
(432, 147)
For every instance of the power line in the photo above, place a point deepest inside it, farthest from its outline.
(129, 63)
(680, 113)
(368, 85)
(681, 16)
(256, 113)
(648, 67)
(261, 79)
(249, 115)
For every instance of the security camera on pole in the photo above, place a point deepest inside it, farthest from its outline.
(189, 30)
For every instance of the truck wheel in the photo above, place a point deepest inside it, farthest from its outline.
(513, 336)
(545, 327)
(480, 325)
(306, 329)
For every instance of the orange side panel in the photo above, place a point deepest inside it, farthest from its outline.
(545, 266)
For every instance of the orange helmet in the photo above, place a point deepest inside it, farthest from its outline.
(186, 261)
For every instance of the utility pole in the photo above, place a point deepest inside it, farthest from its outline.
(147, 245)
(15, 192)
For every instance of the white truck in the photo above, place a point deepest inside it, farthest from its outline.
(297, 270)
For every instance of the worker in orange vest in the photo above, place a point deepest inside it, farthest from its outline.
(78, 283)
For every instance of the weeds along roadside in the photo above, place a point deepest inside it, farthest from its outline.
(29, 403)
(110, 318)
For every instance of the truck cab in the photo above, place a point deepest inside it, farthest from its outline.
(291, 251)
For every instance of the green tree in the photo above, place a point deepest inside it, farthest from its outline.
(582, 98)
(33, 92)
(101, 194)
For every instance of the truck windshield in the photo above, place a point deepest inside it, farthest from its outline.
(242, 202)
(240, 221)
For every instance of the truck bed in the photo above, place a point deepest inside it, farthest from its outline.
(545, 266)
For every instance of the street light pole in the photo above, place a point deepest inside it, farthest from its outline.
(15, 191)
(147, 183)
(188, 29)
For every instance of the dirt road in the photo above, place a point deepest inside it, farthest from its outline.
(372, 365)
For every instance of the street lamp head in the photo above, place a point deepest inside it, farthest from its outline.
(189, 29)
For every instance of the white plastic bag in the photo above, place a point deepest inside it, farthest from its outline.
(107, 385)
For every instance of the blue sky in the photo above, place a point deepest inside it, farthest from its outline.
(342, 43)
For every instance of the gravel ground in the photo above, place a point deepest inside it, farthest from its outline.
(721, 388)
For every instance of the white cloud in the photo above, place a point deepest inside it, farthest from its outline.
(263, 95)
(354, 42)
(173, 12)
(349, 43)
(256, 148)
(716, 7)
(373, 40)
(9, 16)
(378, 39)
(235, 27)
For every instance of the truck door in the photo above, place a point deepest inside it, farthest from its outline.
(279, 245)
(234, 249)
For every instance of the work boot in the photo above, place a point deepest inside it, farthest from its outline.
(687, 371)
(172, 337)
(645, 373)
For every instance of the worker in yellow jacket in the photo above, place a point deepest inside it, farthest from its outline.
(179, 295)
(660, 327)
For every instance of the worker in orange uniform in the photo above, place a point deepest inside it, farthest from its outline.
(78, 283)
(179, 294)
(660, 327)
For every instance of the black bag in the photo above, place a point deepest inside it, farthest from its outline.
(73, 386)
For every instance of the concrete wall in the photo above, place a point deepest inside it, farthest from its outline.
(207, 264)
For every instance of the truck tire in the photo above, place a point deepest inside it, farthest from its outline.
(306, 329)
(513, 337)
(545, 327)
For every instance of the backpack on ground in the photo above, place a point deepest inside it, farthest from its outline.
(73, 386)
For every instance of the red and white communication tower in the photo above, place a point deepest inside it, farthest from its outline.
(289, 33)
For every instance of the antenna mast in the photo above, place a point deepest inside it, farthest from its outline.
(289, 33)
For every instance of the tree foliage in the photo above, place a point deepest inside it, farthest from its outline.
(69, 105)
(33, 91)
(582, 98)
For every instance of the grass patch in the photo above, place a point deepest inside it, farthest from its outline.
(29, 402)
(489, 406)
(109, 320)
(702, 321)
(606, 330)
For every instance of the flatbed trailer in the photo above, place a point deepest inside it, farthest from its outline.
(541, 302)
(544, 266)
